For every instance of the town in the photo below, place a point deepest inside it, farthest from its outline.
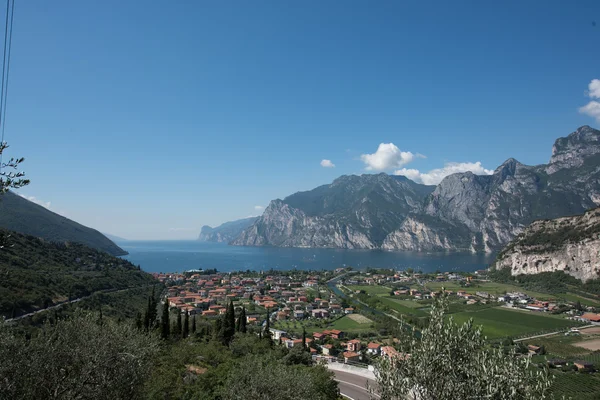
(349, 316)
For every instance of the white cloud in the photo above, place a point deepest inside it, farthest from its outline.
(33, 199)
(591, 109)
(387, 156)
(435, 176)
(594, 89)
(259, 208)
(327, 164)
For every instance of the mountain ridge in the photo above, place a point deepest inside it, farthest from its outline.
(21, 215)
(464, 212)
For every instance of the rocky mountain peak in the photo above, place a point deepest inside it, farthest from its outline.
(571, 151)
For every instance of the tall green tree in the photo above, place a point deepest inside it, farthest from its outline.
(243, 320)
(178, 324)
(229, 324)
(303, 338)
(165, 330)
(194, 324)
(186, 325)
(267, 333)
(451, 361)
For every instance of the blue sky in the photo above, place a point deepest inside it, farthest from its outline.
(148, 119)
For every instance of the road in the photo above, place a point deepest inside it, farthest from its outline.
(354, 387)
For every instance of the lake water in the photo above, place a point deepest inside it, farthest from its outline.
(178, 256)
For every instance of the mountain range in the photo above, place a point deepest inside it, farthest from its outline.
(23, 216)
(464, 212)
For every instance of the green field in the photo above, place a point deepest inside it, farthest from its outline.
(400, 307)
(372, 290)
(498, 323)
(349, 325)
(576, 385)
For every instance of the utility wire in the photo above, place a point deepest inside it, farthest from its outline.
(12, 15)
(8, 28)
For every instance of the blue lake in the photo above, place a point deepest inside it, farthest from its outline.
(177, 256)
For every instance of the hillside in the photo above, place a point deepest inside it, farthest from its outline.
(36, 274)
(23, 216)
(568, 244)
(465, 212)
(225, 232)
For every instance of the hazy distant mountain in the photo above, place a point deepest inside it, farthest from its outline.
(225, 232)
(114, 238)
(23, 216)
(464, 212)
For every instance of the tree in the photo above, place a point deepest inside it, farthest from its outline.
(259, 377)
(186, 325)
(179, 325)
(194, 324)
(76, 358)
(139, 324)
(267, 333)
(165, 331)
(303, 338)
(228, 324)
(151, 312)
(244, 321)
(11, 179)
(451, 361)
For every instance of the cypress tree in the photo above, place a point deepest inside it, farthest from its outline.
(268, 329)
(218, 330)
(303, 338)
(165, 320)
(194, 324)
(178, 327)
(229, 324)
(243, 320)
(139, 324)
(186, 325)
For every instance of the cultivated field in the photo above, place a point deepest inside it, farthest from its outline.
(498, 322)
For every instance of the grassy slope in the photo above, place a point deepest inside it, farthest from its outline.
(36, 274)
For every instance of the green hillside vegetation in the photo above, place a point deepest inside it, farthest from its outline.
(23, 216)
(36, 274)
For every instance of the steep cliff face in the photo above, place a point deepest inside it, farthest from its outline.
(354, 212)
(569, 244)
(464, 212)
(225, 232)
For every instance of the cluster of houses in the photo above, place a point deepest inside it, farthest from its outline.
(284, 297)
(348, 351)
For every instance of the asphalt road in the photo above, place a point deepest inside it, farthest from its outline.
(353, 386)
